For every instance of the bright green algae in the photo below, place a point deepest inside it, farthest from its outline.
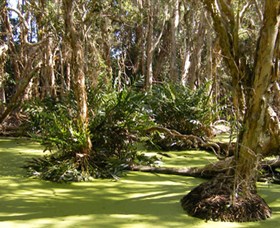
(135, 201)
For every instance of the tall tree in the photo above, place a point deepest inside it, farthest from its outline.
(3, 56)
(152, 40)
(75, 35)
(24, 57)
(174, 5)
(233, 196)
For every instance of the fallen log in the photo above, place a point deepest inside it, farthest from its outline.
(207, 171)
(268, 172)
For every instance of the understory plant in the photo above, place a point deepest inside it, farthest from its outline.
(52, 123)
(117, 122)
(176, 107)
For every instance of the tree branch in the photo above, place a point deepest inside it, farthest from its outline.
(190, 140)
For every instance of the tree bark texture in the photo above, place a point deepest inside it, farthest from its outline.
(195, 59)
(233, 196)
(174, 73)
(3, 50)
(75, 39)
(149, 47)
(226, 27)
(257, 136)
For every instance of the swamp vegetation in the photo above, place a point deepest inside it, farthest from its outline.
(95, 81)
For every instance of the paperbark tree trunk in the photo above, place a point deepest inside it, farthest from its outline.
(75, 39)
(233, 196)
(195, 59)
(151, 42)
(226, 26)
(258, 136)
(3, 50)
(174, 73)
(149, 47)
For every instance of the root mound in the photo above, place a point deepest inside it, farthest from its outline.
(212, 200)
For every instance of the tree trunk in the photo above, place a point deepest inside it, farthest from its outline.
(195, 59)
(77, 64)
(3, 57)
(16, 99)
(233, 196)
(149, 47)
(48, 70)
(173, 45)
(162, 54)
(3, 50)
(256, 138)
(267, 168)
(152, 42)
(226, 27)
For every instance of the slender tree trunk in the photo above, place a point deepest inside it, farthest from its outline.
(105, 28)
(216, 60)
(48, 75)
(149, 47)
(226, 27)
(3, 57)
(185, 63)
(152, 41)
(186, 44)
(65, 69)
(173, 45)
(77, 64)
(3, 50)
(195, 59)
(163, 53)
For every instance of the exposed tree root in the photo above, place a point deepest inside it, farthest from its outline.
(213, 200)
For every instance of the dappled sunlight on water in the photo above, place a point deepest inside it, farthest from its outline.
(137, 200)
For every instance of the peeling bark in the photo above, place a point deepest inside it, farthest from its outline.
(75, 39)
(261, 125)
(235, 194)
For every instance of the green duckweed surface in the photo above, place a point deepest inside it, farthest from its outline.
(137, 200)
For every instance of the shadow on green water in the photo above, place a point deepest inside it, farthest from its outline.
(14, 153)
(136, 200)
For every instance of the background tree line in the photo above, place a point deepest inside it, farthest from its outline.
(118, 43)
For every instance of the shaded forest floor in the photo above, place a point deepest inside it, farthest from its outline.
(137, 200)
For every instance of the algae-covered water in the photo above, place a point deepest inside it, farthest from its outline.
(137, 200)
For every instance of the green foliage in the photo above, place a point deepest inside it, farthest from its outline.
(179, 108)
(53, 124)
(56, 169)
(118, 120)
